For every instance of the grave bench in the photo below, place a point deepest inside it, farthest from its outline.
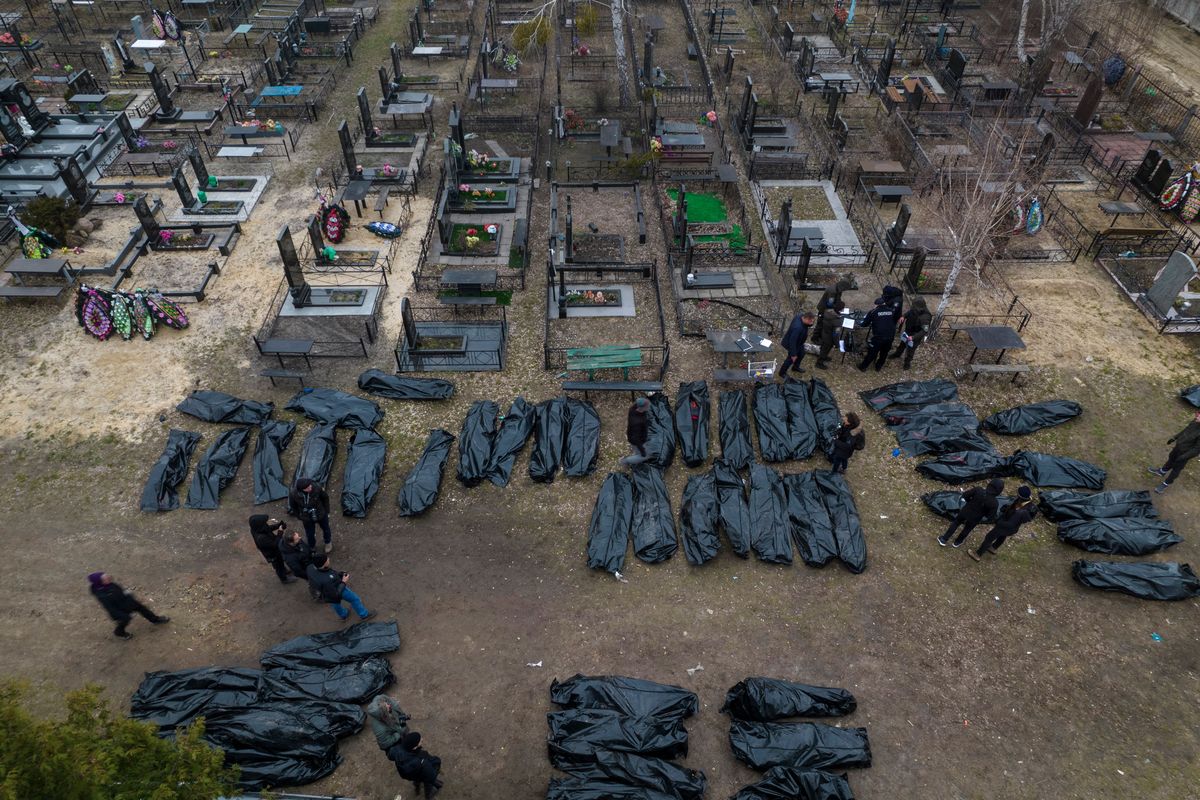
(732, 376)
(382, 200)
(469, 300)
(286, 347)
(590, 359)
(701, 158)
(999, 369)
(282, 373)
(633, 387)
(9, 292)
(710, 280)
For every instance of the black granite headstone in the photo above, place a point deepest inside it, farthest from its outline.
(198, 167)
(126, 129)
(292, 271)
(915, 267)
(1146, 169)
(956, 64)
(397, 68)
(648, 58)
(408, 323)
(1045, 151)
(1089, 102)
(456, 131)
(166, 106)
(364, 114)
(729, 58)
(885, 66)
(783, 228)
(832, 97)
(123, 54)
(1162, 176)
(743, 117)
(269, 68)
(10, 128)
(895, 234)
(75, 182)
(312, 227)
(385, 86)
(347, 143)
(182, 189)
(81, 81)
(789, 35)
(146, 218)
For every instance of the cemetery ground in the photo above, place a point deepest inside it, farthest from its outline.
(1000, 679)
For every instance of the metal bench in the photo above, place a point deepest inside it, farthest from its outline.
(633, 387)
(732, 376)
(286, 347)
(590, 359)
(9, 292)
(282, 373)
(999, 369)
(382, 201)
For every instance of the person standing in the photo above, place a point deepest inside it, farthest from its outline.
(388, 721)
(637, 431)
(793, 342)
(880, 323)
(310, 502)
(1187, 447)
(830, 298)
(295, 553)
(978, 504)
(267, 533)
(414, 764)
(914, 328)
(829, 326)
(848, 439)
(120, 604)
(331, 586)
(1011, 519)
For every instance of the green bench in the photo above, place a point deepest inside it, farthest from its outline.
(612, 356)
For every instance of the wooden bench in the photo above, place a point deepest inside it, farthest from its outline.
(633, 387)
(9, 292)
(701, 158)
(732, 376)
(382, 201)
(710, 280)
(282, 373)
(999, 369)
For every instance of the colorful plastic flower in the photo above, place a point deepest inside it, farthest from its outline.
(491, 229)
(711, 116)
(471, 231)
(119, 197)
(462, 187)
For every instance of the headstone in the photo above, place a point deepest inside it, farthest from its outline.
(803, 262)
(269, 68)
(832, 96)
(648, 58)
(166, 106)
(347, 143)
(408, 323)
(146, 218)
(680, 222)
(841, 132)
(198, 166)
(956, 65)
(570, 232)
(885, 66)
(126, 129)
(895, 234)
(783, 229)
(292, 271)
(485, 56)
(1089, 102)
(110, 61)
(1162, 176)
(742, 118)
(1045, 151)
(385, 87)
(916, 99)
(456, 131)
(789, 35)
(1146, 169)
(915, 267)
(10, 128)
(1170, 281)
(81, 81)
(397, 68)
(182, 189)
(139, 29)
(312, 225)
(364, 114)
(808, 58)
(729, 57)
(75, 182)
(126, 62)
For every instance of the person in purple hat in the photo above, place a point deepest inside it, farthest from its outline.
(120, 604)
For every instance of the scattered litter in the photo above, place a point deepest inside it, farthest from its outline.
(881, 516)
(966, 723)
(695, 669)
(997, 597)
(1031, 609)
(1156, 637)
(620, 577)
(533, 664)
(1119, 772)
(709, 610)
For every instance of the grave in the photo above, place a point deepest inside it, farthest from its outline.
(441, 341)
(160, 238)
(465, 166)
(214, 183)
(376, 137)
(202, 206)
(1170, 281)
(570, 300)
(307, 300)
(168, 111)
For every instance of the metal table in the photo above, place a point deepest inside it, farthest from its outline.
(683, 141)
(468, 281)
(726, 342)
(287, 347)
(1119, 209)
(994, 337)
(356, 192)
(89, 100)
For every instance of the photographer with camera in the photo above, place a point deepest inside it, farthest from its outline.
(310, 502)
(267, 534)
(330, 586)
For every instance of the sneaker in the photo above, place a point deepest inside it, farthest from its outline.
(973, 555)
(1162, 487)
(367, 617)
(993, 551)
(125, 635)
(1156, 471)
(942, 541)
(161, 621)
(328, 548)
(822, 365)
(956, 545)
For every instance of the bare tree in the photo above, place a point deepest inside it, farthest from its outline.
(976, 205)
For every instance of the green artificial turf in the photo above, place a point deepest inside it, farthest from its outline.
(702, 207)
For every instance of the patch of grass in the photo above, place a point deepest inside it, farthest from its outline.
(808, 202)
(736, 238)
(516, 260)
(503, 296)
(702, 207)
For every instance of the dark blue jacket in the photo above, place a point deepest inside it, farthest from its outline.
(881, 321)
(796, 336)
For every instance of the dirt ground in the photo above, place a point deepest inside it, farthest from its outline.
(1000, 679)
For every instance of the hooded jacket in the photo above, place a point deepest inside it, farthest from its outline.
(387, 721)
(412, 762)
(116, 601)
(297, 556)
(318, 500)
(1187, 441)
(980, 503)
(917, 321)
(266, 538)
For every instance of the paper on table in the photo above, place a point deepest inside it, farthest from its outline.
(848, 322)
(766, 342)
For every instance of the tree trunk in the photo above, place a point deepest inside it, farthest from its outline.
(1021, 31)
(618, 23)
(951, 279)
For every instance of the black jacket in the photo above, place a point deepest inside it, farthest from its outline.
(1013, 522)
(317, 499)
(796, 336)
(978, 505)
(266, 538)
(881, 321)
(846, 441)
(415, 765)
(1187, 441)
(296, 556)
(116, 601)
(637, 429)
(326, 583)
(831, 323)
(916, 324)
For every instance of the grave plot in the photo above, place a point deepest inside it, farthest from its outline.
(762, 127)
(217, 206)
(691, 148)
(504, 79)
(1160, 282)
(936, 140)
(449, 35)
(480, 219)
(665, 56)
(589, 143)
(320, 310)
(440, 339)
(604, 315)
(414, 75)
(821, 66)
(788, 23)
(406, 140)
(294, 89)
(157, 151)
(365, 169)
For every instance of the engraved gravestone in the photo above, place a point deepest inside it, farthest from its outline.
(1170, 281)
(1089, 102)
